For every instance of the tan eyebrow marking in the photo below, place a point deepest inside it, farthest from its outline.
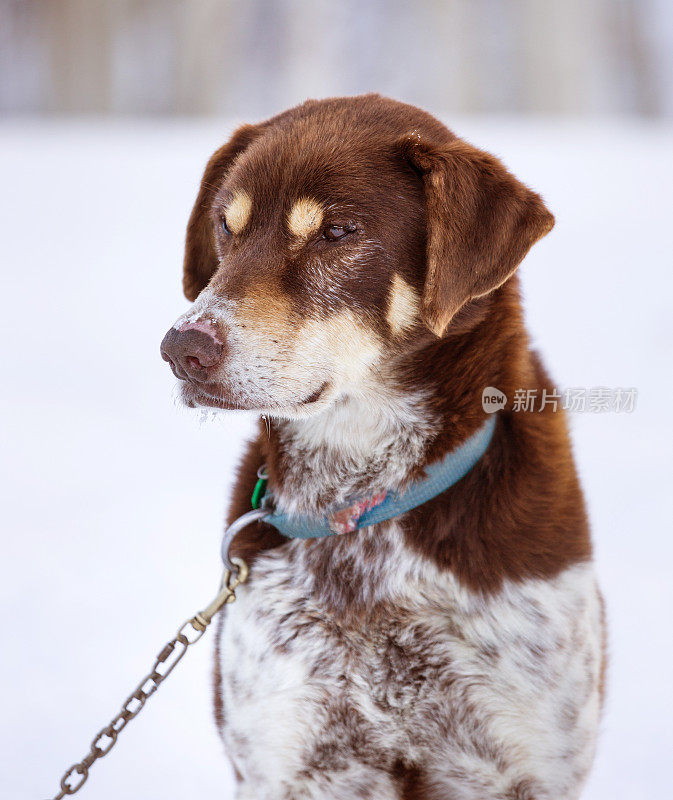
(403, 305)
(305, 217)
(238, 211)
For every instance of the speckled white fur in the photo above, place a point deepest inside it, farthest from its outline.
(496, 697)
(370, 437)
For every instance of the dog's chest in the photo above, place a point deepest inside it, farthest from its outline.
(433, 674)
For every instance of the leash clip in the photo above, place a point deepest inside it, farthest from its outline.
(236, 526)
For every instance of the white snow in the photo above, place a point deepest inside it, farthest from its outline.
(113, 496)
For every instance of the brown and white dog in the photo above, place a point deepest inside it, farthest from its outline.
(351, 265)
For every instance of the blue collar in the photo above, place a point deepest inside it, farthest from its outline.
(371, 510)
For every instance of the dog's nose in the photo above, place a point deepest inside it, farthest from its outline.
(191, 350)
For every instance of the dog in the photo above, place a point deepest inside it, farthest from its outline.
(352, 268)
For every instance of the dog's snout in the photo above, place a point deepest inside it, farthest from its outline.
(191, 350)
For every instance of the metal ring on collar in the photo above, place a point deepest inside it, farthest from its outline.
(236, 526)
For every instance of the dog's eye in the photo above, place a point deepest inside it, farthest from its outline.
(225, 227)
(335, 232)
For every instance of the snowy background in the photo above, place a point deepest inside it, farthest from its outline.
(113, 496)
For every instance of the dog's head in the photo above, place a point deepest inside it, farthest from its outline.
(326, 240)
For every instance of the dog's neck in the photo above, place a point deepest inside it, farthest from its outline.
(367, 442)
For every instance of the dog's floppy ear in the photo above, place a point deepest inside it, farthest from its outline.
(200, 256)
(481, 222)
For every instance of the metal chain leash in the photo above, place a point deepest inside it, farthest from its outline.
(190, 633)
